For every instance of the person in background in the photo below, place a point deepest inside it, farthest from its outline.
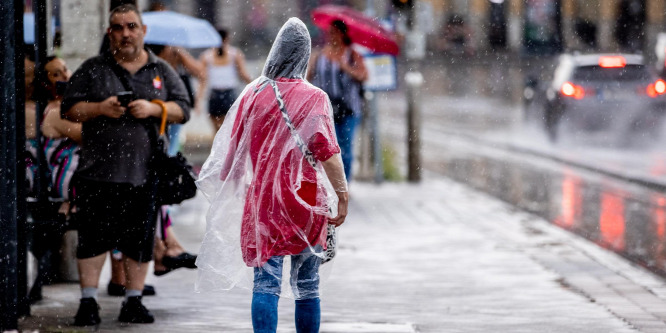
(30, 107)
(30, 153)
(113, 199)
(50, 210)
(225, 68)
(339, 71)
(186, 66)
(456, 36)
(61, 137)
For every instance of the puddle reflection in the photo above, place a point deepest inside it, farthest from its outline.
(611, 221)
(572, 201)
(625, 218)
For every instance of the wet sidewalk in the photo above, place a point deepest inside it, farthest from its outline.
(434, 257)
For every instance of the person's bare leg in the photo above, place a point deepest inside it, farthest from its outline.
(117, 271)
(135, 273)
(90, 270)
(217, 122)
(159, 250)
(173, 247)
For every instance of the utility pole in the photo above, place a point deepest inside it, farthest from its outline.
(12, 136)
(414, 81)
(414, 52)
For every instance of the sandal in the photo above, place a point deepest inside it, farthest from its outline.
(162, 272)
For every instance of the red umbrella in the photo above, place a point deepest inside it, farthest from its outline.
(361, 29)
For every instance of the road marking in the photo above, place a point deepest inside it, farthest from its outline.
(366, 328)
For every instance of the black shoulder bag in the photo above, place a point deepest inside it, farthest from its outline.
(331, 237)
(173, 175)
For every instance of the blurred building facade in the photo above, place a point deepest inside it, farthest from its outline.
(544, 26)
(531, 26)
(537, 27)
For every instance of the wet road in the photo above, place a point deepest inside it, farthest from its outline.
(474, 131)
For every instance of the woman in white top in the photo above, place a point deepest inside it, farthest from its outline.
(225, 68)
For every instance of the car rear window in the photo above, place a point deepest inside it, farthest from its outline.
(598, 73)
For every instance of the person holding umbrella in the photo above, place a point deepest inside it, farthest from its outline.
(339, 71)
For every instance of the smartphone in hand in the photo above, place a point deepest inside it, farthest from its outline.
(125, 97)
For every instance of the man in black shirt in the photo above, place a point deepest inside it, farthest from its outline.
(113, 194)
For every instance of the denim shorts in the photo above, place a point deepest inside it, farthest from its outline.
(220, 102)
(304, 275)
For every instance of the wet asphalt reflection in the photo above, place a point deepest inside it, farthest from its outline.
(625, 218)
(481, 99)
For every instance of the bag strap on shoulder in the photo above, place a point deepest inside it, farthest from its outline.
(292, 129)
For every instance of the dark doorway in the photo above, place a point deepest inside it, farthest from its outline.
(630, 26)
(586, 30)
(497, 26)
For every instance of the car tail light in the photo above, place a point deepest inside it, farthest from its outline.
(612, 62)
(571, 90)
(656, 89)
(660, 86)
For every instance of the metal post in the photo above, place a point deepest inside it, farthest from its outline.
(414, 81)
(376, 140)
(11, 13)
(414, 52)
(39, 8)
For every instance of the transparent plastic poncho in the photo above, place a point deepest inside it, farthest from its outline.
(266, 200)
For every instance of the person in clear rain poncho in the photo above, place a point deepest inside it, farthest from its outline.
(270, 203)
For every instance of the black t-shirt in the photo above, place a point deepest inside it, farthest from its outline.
(118, 150)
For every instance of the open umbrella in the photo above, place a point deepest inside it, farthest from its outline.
(29, 28)
(362, 29)
(175, 29)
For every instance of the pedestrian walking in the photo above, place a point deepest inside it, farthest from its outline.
(274, 179)
(111, 95)
(225, 67)
(339, 71)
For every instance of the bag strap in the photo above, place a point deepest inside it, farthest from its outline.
(121, 76)
(299, 142)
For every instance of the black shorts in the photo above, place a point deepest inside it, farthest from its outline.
(220, 102)
(114, 216)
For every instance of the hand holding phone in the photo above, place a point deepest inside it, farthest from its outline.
(125, 97)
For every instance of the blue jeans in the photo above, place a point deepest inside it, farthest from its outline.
(304, 279)
(345, 129)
